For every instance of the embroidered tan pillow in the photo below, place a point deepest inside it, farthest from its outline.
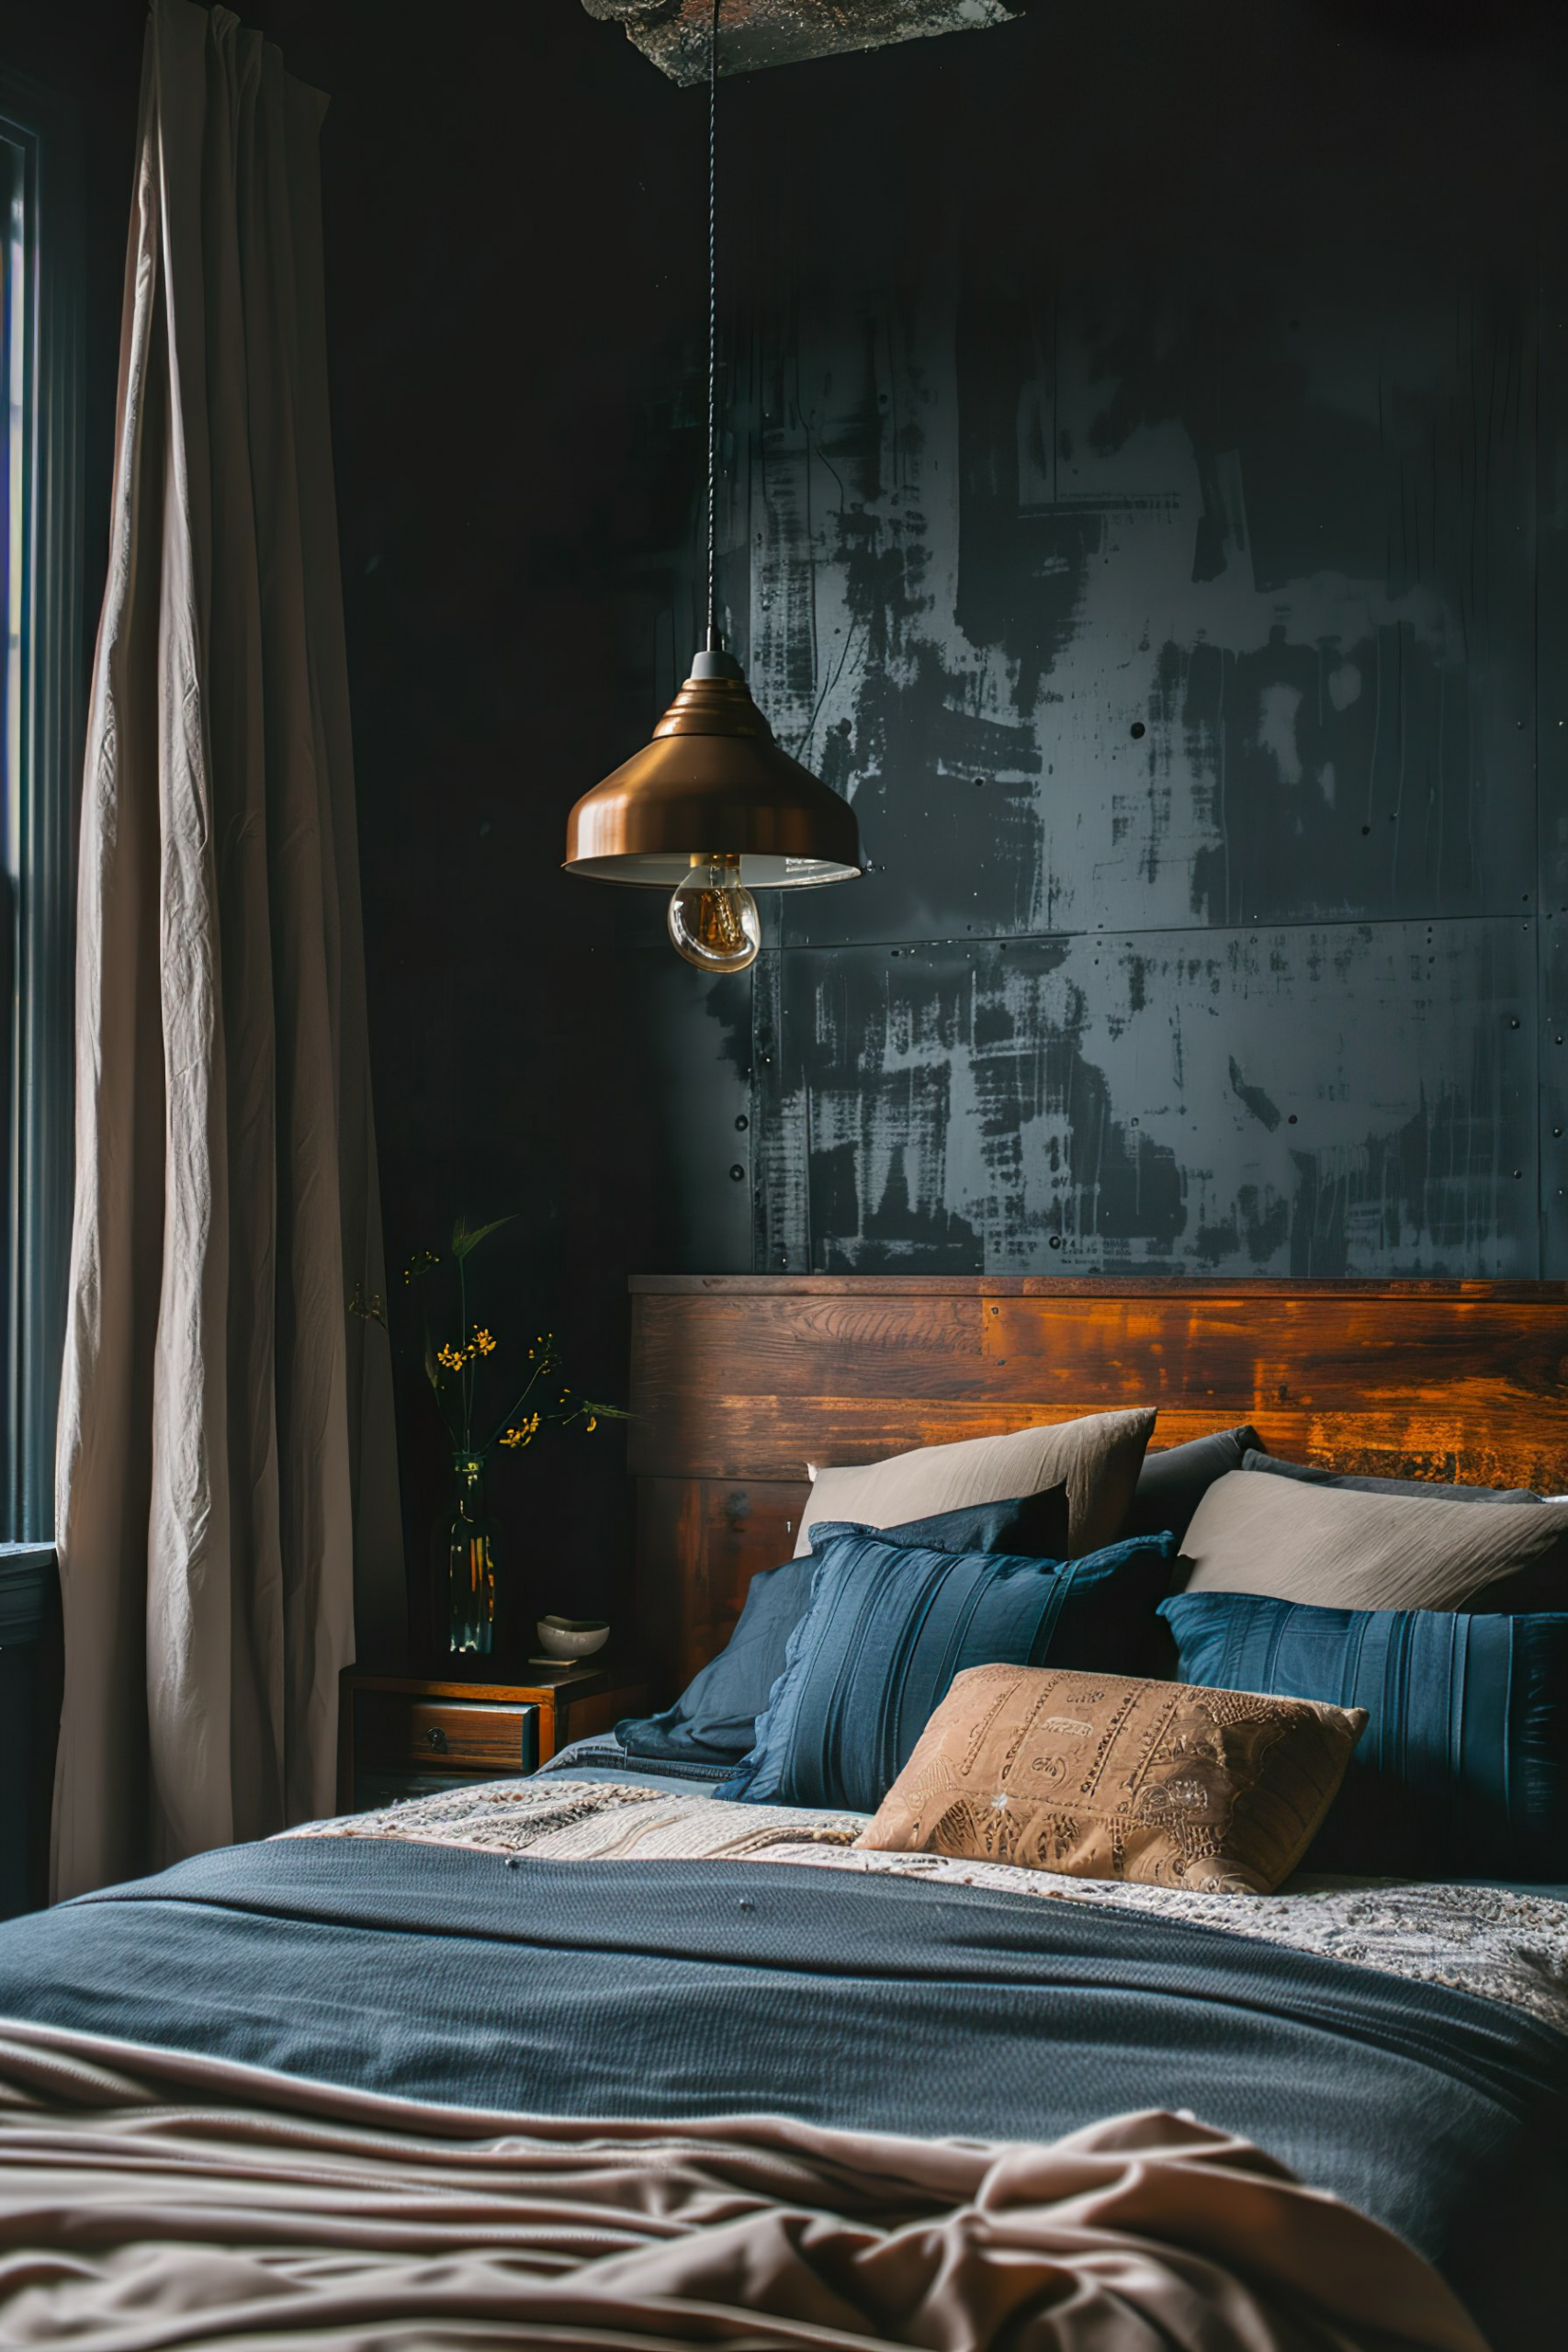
(1103, 1776)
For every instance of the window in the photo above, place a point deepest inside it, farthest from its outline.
(40, 733)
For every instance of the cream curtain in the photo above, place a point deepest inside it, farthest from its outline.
(226, 1484)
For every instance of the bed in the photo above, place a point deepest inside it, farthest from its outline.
(602, 2058)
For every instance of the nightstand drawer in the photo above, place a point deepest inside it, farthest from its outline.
(395, 1730)
(447, 1735)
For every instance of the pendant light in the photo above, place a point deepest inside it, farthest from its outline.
(713, 809)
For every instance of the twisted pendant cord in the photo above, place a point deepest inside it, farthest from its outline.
(713, 640)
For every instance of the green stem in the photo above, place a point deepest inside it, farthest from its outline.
(465, 1374)
(506, 1420)
(435, 1385)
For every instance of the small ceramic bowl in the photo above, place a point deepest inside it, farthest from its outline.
(572, 1636)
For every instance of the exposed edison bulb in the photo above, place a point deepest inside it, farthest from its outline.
(714, 921)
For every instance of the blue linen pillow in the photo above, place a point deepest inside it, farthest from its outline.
(715, 1719)
(1462, 1770)
(890, 1625)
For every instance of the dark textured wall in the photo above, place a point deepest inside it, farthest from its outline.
(1147, 496)
(515, 293)
(1150, 499)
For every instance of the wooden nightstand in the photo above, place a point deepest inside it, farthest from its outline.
(399, 1737)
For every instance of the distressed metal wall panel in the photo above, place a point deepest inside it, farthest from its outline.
(782, 1130)
(1353, 1099)
(1087, 645)
(683, 1139)
(1552, 737)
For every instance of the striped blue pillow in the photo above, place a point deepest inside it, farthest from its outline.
(1462, 1770)
(890, 1625)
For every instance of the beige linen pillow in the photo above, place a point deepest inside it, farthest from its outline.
(1105, 1776)
(1098, 1461)
(1335, 1548)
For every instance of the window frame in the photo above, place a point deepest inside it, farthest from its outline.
(40, 177)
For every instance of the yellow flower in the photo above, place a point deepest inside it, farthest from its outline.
(483, 1344)
(592, 1421)
(452, 1358)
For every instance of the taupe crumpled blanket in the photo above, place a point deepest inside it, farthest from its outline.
(157, 2199)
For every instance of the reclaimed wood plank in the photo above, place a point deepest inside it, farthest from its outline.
(1317, 1355)
(746, 1444)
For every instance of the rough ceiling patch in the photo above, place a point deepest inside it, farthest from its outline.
(754, 33)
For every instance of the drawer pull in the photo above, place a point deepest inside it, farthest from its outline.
(436, 1738)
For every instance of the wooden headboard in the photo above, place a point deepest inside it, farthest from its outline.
(738, 1380)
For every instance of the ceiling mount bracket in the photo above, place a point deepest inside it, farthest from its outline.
(674, 33)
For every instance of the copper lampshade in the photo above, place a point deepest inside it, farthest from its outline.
(713, 783)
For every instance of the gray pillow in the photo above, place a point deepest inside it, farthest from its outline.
(1312, 1474)
(1333, 1547)
(1096, 1459)
(1173, 1482)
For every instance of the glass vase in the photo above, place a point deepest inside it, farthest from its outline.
(470, 1562)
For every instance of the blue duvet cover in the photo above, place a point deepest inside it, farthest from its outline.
(667, 1989)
